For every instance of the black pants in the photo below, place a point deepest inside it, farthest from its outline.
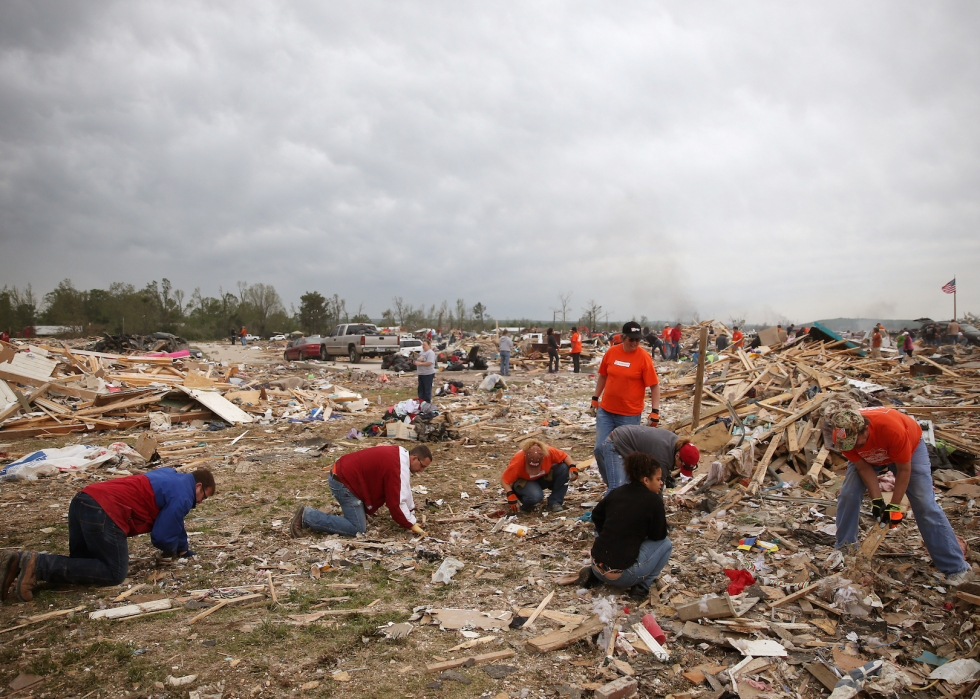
(552, 358)
(575, 360)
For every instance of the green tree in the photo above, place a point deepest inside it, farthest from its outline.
(313, 313)
(479, 310)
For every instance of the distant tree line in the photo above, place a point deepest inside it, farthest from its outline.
(122, 308)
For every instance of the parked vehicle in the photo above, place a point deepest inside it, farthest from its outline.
(305, 348)
(357, 340)
(410, 347)
(277, 338)
(252, 338)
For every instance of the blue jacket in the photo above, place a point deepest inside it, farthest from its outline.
(175, 495)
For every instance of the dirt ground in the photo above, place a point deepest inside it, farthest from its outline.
(284, 648)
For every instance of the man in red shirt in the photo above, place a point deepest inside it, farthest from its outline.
(875, 440)
(362, 482)
(675, 342)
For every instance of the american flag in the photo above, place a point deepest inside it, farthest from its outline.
(951, 287)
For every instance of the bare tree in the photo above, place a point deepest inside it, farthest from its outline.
(564, 303)
(264, 301)
(479, 310)
(460, 313)
(442, 315)
(592, 311)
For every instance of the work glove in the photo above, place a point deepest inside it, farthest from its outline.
(595, 406)
(417, 528)
(512, 502)
(877, 505)
(654, 420)
(891, 516)
(572, 473)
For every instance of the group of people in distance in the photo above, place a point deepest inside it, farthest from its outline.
(635, 460)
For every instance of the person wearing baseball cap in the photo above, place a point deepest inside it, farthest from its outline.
(625, 373)
(674, 453)
(875, 440)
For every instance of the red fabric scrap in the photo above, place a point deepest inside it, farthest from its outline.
(740, 579)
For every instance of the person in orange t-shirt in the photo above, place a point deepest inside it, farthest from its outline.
(535, 467)
(876, 440)
(737, 337)
(625, 373)
(876, 343)
(576, 349)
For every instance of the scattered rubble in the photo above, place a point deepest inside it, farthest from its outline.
(755, 600)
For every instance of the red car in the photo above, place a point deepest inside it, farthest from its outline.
(305, 348)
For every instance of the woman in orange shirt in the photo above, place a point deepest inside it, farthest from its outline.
(536, 467)
(576, 353)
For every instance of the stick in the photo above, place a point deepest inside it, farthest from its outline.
(540, 608)
(272, 588)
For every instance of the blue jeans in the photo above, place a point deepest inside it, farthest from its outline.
(354, 520)
(605, 423)
(651, 560)
(244, 341)
(505, 362)
(425, 387)
(937, 534)
(532, 492)
(97, 550)
(615, 472)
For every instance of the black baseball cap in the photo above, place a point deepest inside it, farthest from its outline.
(632, 330)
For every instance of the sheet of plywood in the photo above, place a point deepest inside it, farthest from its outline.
(216, 403)
(30, 365)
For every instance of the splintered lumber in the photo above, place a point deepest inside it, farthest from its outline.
(760, 471)
(561, 638)
(818, 462)
(651, 643)
(711, 608)
(537, 612)
(873, 540)
(945, 370)
(827, 678)
(792, 597)
(156, 605)
(967, 597)
(485, 658)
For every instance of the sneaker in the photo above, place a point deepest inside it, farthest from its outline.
(555, 507)
(587, 578)
(296, 525)
(961, 578)
(25, 578)
(8, 571)
(639, 591)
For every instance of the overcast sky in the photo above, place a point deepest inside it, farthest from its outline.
(771, 160)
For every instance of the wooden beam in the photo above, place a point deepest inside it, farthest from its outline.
(699, 381)
(562, 638)
(760, 471)
(485, 658)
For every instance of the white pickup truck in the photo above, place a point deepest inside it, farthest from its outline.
(356, 340)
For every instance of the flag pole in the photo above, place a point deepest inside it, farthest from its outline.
(954, 300)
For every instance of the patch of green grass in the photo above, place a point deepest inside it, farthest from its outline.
(141, 670)
(109, 649)
(42, 664)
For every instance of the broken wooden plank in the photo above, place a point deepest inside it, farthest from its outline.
(485, 658)
(538, 610)
(814, 473)
(133, 609)
(710, 608)
(562, 637)
(760, 471)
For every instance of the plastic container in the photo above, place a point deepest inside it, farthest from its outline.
(651, 625)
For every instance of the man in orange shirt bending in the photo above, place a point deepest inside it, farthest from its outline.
(876, 440)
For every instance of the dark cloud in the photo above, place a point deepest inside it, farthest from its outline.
(770, 161)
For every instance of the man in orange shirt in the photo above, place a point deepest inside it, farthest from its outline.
(625, 373)
(535, 467)
(875, 440)
(576, 353)
(737, 337)
(876, 343)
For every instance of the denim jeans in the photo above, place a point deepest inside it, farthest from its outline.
(505, 362)
(651, 560)
(244, 341)
(354, 520)
(615, 472)
(936, 532)
(605, 423)
(425, 387)
(532, 492)
(97, 550)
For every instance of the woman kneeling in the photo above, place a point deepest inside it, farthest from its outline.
(632, 546)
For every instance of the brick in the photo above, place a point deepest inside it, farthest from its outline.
(620, 689)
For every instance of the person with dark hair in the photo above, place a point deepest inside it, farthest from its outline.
(721, 342)
(632, 545)
(625, 373)
(876, 440)
(737, 337)
(576, 349)
(553, 345)
(656, 343)
(675, 342)
(100, 518)
(362, 482)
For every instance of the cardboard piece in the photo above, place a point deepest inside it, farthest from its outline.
(711, 439)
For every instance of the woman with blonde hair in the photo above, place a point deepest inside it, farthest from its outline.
(535, 467)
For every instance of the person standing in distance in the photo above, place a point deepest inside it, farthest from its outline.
(426, 367)
(505, 346)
